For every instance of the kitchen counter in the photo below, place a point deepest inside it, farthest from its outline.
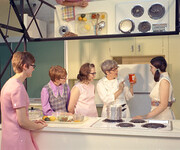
(84, 136)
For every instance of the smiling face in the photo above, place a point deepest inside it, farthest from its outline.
(112, 74)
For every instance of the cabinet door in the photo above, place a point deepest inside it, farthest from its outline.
(122, 46)
(78, 54)
(156, 45)
(99, 51)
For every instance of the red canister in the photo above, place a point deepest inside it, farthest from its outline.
(132, 78)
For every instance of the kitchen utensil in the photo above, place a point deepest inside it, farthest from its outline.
(126, 26)
(101, 25)
(63, 30)
(34, 113)
(78, 117)
(114, 112)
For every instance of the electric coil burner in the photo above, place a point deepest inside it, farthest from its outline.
(156, 11)
(137, 11)
(137, 121)
(153, 125)
(110, 121)
(142, 16)
(125, 125)
(133, 124)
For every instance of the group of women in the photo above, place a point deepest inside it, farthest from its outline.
(56, 96)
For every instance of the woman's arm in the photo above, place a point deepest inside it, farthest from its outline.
(75, 93)
(108, 96)
(25, 123)
(164, 97)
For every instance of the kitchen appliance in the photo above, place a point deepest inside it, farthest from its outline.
(136, 124)
(140, 104)
(142, 16)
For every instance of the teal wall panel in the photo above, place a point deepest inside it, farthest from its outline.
(4, 56)
(46, 54)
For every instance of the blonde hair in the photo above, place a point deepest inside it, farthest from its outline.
(57, 72)
(21, 58)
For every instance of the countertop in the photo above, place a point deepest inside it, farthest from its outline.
(86, 128)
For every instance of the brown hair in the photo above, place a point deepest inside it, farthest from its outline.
(84, 71)
(160, 64)
(21, 58)
(57, 72)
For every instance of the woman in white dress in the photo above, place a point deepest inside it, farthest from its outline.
(113, 90)
(162, 93)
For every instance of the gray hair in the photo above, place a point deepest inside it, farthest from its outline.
(107, 65)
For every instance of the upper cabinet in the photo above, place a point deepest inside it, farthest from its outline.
(156, 45)
(83, 51)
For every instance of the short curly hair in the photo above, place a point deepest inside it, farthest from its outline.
(57, 73)
(107, 65)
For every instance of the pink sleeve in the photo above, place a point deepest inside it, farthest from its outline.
(19, 96)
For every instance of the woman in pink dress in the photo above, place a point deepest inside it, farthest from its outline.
(82, 94)
(16, 126)
(80, 3)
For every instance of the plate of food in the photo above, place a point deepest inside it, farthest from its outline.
(65, 118)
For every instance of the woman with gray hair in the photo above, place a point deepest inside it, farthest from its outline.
(113, 90)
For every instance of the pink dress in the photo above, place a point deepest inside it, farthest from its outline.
(86, 105)
(13, 96)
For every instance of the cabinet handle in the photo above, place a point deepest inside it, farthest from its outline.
(132, 48)
(139, 48)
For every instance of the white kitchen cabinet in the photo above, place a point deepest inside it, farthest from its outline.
(139, 46)
(81, 51)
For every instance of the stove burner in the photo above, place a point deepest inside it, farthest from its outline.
(137, 121)
(109, 120)
(137, 11)
(144, 26)
(154, 125)
(125, 125)
(156, 11)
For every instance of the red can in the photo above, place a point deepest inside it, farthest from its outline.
(132, 78)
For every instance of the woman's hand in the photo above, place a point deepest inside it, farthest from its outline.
(121, 86)
(138, 117)
(83, 3)
(41, 122)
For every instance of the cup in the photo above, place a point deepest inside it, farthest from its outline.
(132, 78)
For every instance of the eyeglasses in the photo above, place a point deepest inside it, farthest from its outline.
(34, 66)
(93, 73)
(114, 69)
(63, 78)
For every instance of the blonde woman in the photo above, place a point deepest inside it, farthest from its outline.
(16, 126)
